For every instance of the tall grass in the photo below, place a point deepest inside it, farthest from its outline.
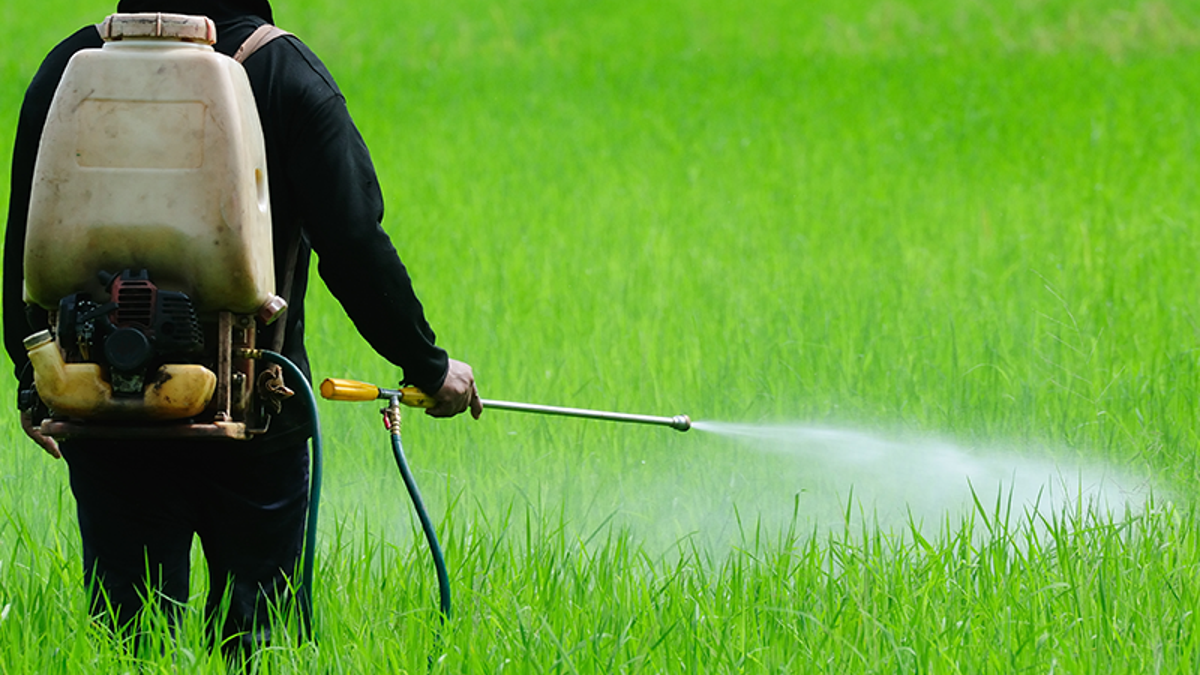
(919, 218)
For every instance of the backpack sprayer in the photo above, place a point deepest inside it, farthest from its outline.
(351, 390)
(149, 242)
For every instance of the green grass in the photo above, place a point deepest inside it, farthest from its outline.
(918, 218)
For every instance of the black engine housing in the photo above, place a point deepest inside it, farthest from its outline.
(141, 326)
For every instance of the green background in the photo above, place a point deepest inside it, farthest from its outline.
(955, 231)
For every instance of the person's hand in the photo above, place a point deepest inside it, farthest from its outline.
(48, 444)
(457, 393)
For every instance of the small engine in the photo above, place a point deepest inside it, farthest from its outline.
(139, 328)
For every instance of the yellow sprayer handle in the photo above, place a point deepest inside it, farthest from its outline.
(336, 389)
(415, 398)
(348, 390)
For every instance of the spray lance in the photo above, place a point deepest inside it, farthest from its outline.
(351, 390)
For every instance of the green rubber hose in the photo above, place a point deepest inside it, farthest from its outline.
(439, 561)
(304, 390)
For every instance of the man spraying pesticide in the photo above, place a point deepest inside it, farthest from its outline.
(174, 169)
(165, 202)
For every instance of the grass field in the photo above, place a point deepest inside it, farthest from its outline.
(941, 224)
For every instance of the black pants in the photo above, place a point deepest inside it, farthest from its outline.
(141, 502)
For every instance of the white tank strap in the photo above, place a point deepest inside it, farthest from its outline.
(257, 40)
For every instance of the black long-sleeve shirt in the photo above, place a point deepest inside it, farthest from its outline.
(322, 185)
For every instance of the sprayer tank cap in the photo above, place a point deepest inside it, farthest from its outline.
(159, 26)
(38, 339)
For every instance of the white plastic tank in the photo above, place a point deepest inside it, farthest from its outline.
(152, 158)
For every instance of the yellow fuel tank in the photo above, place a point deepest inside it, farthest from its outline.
(80, 390)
